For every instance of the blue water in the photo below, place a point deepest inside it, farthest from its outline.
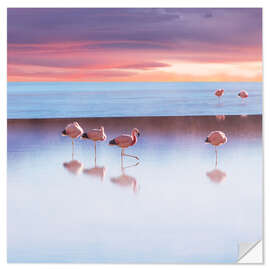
(103, 99)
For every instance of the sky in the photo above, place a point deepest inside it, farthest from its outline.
(135, 44)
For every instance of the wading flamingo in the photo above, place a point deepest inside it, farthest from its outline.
(219, 93)
(243, 94)
(95, 135)
(73, 130)
(124, 141)
(216, 138)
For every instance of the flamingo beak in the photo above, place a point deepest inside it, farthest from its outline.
(64, 133)
(138, 134)
(206, 140)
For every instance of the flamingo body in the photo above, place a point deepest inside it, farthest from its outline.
(95, 135)
(73, 130)
(125, 140)
(216, 138)
(243, 94)
(219, 92)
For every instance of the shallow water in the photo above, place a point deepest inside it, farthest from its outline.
(172, 207)
(89, 99)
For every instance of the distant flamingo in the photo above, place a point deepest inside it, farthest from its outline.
(73, 130)
(124, 141)
(95, 135)
(216, 138)
(243, 94)
(219, 93)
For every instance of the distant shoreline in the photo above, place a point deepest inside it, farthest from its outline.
(128, 117)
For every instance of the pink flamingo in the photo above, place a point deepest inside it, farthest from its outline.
(243, 94)
(124, 141)
(95, 135)
(219, 93)
(73, 130)
(216, 138)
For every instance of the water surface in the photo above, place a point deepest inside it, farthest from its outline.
(172, 207)
(89, 99)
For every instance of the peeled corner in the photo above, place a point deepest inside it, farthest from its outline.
(250, 252)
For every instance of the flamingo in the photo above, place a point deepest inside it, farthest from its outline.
(95, 135)
(73, 130)
(219, 93)
(216, 138)
(243, 94)
(124, 141)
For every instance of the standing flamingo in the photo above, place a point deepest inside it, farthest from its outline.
(95, 135)
(216, 138)
(124, 141)
(219, 93)
(73, 130)
(243, 94)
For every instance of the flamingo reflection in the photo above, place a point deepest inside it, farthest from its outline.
(96, 172)
(220, 117)
(74, 166)
(125, 180)
(216, 175)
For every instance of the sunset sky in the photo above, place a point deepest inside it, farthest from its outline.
(134, 44)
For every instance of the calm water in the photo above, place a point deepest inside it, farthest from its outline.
(173, 207)
(72, 99)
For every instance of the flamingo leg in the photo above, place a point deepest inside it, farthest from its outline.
(95, 154)
(216, 156)
(131, 156)
(72, 149)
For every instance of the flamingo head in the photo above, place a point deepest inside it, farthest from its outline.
(135, 131)
(85, 136)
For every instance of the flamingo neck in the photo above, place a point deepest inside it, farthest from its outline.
(134, 139)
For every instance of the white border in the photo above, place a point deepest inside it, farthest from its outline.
(124, 3)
